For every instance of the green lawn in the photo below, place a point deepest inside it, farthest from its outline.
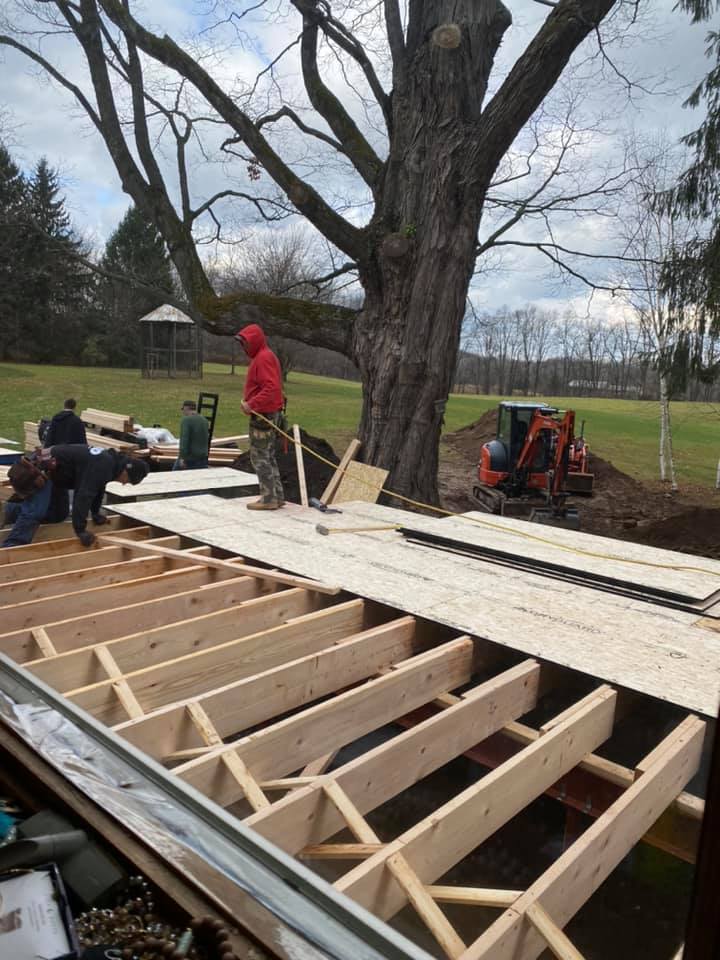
(623, 431)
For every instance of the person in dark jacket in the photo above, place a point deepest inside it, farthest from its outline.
(194, 439)
(87, 471)
(263, 394)
(36, 499)
(65, 427)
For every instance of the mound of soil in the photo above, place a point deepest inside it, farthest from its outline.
(317, 473)
(468, 440)
(620, 506)
(696, 530)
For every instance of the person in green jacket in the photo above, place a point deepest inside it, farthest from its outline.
(194, 439)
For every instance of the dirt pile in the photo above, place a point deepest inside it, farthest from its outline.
(620, 506)
(317, 473)
(468, 440)
(696, 530)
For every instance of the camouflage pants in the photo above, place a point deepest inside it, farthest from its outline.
(262, 456)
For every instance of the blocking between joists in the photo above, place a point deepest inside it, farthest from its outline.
(289, 744)
(262, 681)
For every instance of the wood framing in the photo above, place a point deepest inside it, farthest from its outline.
(258, 688)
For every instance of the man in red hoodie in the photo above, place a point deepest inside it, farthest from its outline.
(263, 394)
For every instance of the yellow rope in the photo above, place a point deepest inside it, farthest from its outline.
(486, 523)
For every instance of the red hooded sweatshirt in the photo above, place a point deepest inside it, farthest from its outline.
(263, 383)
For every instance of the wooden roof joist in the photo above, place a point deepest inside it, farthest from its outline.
(247, 685)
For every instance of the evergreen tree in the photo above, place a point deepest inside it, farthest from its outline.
(56, 299)
(134, 252)
(691, 275)
(13, 200)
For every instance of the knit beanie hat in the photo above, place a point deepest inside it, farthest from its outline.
(137, 470)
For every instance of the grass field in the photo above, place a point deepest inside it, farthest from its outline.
(623, 431)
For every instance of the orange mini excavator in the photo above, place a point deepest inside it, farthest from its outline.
(533, 464)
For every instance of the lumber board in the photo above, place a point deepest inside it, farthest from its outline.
(572, 879)
(302, 818)
(300, 464)
(110, 421)
(450, 833)
(474, 896)
(73, 635)
(429, 912)
(257, 695)
(287, 745)
(44, 642)
(339, 851)
(55, 584)
(274, 575)
(334, 481)
(144, 649)
(68, 562)
(39, 612)
(224, 441)
(48, 535)
(553, 936)
(592, 786)
(164, 732)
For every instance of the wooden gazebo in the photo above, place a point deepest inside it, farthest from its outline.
(171, 344)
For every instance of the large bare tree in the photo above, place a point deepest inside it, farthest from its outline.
(425, 160)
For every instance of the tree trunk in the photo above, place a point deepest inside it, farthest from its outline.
(667, 459)
(406, 337)
(406, 340)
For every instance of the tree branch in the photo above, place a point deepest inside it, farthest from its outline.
(316, 324)
(531, 79)
(304, 197)
(355, 146)
(336, 31)
(56, 75)
(311, 131)
(256, 201)
(396, 38)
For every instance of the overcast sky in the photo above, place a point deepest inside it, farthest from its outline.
(42, 121)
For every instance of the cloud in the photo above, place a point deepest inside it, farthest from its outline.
(48, 124)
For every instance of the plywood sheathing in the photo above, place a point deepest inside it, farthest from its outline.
(654, 650)
(360, 482)
(176, 482)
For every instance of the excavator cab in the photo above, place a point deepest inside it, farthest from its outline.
(534, 457)
(499, 457)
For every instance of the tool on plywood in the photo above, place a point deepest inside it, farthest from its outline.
(326, 531)
(322, 507)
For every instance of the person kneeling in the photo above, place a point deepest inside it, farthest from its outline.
(87, 471)
(35, 500)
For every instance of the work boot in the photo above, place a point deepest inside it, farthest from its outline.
(264, 505)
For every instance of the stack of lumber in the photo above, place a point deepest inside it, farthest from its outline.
(32, 440)
(221, 454)
(105, 419)
(6, 491)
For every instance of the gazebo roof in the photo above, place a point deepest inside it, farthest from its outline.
(166, 314)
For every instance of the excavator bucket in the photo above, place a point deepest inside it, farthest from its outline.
(569, 519)
(580, 483)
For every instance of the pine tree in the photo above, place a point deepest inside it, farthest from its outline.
(56, 300)
(13, 200)
(692, 273)
(135, 251)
